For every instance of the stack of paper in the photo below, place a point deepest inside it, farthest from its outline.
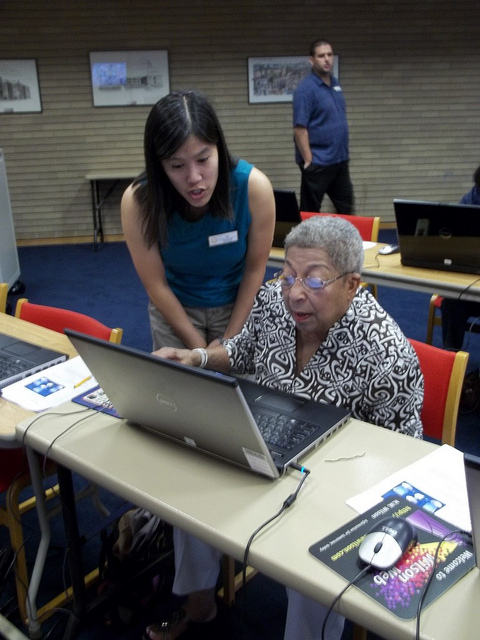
(436, 482)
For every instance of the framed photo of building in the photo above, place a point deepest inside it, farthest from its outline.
(19, 88)
(128, 78)
(275, 79)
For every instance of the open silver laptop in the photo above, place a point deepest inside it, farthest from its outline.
(19, 359)
(436, 235)
(205, 410)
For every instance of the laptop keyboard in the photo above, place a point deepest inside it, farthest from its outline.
(282, 431)
(10, 366)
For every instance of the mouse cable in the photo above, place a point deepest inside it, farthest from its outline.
(48, 414)
(286, 504)
(353, 581)
(430, 577)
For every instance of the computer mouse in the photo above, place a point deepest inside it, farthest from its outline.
(386, 542)
(388, 249)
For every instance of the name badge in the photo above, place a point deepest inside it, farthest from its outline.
(223, 238)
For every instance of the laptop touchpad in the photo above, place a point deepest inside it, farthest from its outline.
(21, 348)
(280, 403)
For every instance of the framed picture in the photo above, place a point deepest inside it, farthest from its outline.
(275, 79)
(19, 89)
(130, 78)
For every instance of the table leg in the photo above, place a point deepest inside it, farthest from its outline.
(97, 204)
(75, 562)
(34, 630)
(96, 211)
(8, 631)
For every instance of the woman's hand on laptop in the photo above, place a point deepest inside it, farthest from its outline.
(215, 358)
(185, 356)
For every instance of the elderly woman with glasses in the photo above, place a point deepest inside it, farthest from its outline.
(314, 331)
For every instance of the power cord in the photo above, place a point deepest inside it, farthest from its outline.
(286, 504)
(49, 414)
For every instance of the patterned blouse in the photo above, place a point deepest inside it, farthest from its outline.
(365, 364)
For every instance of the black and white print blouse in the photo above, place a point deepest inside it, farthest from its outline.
(365, 364)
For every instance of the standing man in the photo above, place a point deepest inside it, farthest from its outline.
(320, 131)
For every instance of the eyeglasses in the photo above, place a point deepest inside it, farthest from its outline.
(310, 283)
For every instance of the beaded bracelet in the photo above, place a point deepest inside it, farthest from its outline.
(204, 355)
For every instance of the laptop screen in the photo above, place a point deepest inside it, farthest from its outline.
(434, 235)
(287, 214)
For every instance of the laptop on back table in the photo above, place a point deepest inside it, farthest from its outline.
(19, 359)
(287, 214)
(434, 235)
(208, 411)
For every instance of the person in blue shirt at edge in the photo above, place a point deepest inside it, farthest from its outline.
(455, 313)
(320, 131)
(198, 224)
(316, 332)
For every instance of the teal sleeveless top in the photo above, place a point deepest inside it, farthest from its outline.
(205, 260)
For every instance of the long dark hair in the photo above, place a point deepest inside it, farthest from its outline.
(171, 121)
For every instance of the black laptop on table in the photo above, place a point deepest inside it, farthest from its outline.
(208, 411)
(435, 235)
(19, 359)
(287, 214)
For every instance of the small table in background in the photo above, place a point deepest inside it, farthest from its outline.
(113, 177)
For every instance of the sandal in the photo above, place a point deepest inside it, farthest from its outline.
(179, 620)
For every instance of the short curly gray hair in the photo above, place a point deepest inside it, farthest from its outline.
(336, 236)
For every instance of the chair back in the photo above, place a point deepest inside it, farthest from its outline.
(59, 319)
(443, 373)
(367, 226)
(3, 296)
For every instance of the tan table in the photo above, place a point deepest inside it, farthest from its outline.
(11, 414)
(95, 179)
(223, 505)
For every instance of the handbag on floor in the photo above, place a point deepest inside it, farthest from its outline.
(135, 562)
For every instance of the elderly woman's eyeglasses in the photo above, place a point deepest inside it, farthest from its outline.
(310, 283)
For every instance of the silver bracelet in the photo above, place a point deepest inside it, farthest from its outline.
(204, 355)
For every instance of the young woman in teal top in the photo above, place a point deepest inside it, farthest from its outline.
(198, 225)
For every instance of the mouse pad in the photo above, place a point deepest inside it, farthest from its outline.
(399, 589)
(97, 399)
